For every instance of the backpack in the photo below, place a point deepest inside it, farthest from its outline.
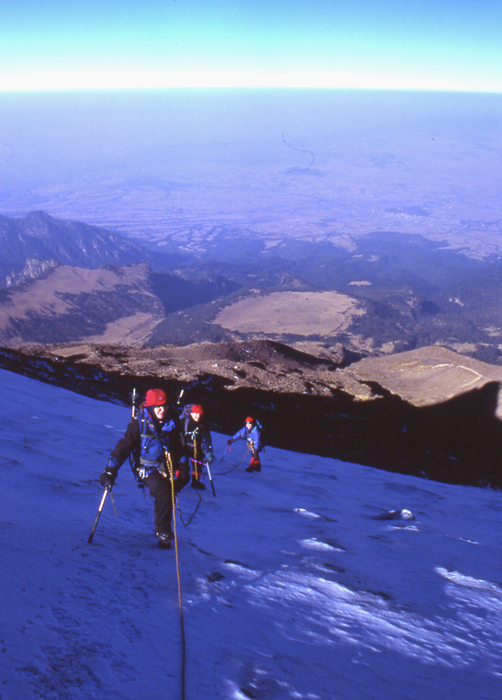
(262, 434)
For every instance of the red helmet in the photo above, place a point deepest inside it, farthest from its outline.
(197, 409)
(155, 397)
(249, 419)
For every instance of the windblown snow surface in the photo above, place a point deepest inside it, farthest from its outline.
(306, 581)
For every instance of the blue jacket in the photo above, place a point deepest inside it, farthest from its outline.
(252, 437)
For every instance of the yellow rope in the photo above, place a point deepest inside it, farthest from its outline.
(183, 647)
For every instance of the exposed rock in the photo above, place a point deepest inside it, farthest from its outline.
(33, 269)
(428, 412)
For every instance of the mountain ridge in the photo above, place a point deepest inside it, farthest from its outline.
(386, 293)
(41, 236)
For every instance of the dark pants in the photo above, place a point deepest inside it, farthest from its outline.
(160, 491)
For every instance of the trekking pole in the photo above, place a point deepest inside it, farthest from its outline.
(96, 519)
(224, 453)
(133, 403)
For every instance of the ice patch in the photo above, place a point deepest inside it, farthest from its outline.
(306, 513)
(243, 570)
(402, 514)
(336, 614)
(411, 528)
(469, 581)
(314, 543)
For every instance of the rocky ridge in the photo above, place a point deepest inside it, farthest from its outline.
(429, 412)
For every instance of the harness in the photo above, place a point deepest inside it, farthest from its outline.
(153, 443)
(252, 436)
(192, 434)
(191, 440)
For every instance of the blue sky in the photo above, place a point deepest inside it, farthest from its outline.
(417, 44)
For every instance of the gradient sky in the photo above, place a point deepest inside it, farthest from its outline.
(396, 44)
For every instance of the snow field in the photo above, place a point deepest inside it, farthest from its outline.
(303, 581)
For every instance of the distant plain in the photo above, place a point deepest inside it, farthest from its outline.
(170, 166)
(391, 198)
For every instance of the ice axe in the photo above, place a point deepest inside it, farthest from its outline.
(210, 478)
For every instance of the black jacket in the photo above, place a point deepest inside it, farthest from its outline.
(145, 440)
(197, 436)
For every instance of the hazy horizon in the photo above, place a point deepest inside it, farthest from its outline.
(97, 123)
(156, 163)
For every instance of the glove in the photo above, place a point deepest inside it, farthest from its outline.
(229, 441)
(210, 458)
(107, 479)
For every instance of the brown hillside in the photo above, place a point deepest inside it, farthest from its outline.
(111, 304)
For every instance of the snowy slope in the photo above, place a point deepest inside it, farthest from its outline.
(293, 582)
